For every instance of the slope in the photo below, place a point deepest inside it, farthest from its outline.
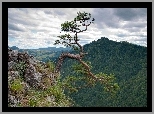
(127, 61)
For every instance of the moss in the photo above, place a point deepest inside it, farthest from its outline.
(16, 86)
(51, 66)
(46, 81)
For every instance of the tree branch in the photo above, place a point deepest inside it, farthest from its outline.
(76, 57)
(84, 29)
(73, 27)
(63, 56)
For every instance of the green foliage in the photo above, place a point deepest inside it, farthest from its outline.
(72, 26)
(69, 83)
(40, 68)
(124, 61)
(33, 102)
(128, 62)
(16, 86)
(118, 60)
(79, 68)
(50, 65)
(108, 81)
(51, 95)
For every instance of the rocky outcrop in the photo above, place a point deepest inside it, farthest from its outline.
(26, 74)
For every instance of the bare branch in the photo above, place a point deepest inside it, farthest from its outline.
(84, 29)
(62, 57)
(78, 58)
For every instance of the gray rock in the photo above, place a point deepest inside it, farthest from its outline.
(11, 65)
(12, 75)
(12, 101)
(32, 77)
(50, 98)
(12, 55)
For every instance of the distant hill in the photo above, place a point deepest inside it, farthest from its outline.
(44, 54)
(46, 49)
(55, 49)
(14, 48)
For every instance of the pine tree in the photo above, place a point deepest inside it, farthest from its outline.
(82, 19)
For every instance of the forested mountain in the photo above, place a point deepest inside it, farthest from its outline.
(126, 61)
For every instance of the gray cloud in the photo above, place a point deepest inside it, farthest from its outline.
(12, 26)
(121, 35)
(128, 35)
(133, 29)
(106, 18)
(21, 16)
(48, 42)
(141, 39)
(41, 26)
(12, 33)
(58, 12)
(129, 14)
(125, 13)
(113, 18)
(25, 10)
(48, 12)
(135, 24)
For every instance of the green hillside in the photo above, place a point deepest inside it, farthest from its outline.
(126, 61)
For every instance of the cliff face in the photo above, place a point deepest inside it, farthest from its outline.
(32, 82)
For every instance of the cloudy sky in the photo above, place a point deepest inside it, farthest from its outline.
(31, 28)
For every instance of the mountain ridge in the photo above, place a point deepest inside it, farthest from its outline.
(125, 60)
